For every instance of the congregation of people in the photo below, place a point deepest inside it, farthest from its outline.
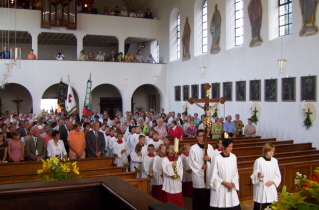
(144, 142)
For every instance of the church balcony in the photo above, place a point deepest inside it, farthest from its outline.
(36, 76)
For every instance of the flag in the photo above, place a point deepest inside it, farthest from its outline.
(87, 110)
(61, 96)
(70, 103)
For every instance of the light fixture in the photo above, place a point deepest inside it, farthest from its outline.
(202, 71)
(154, 80)
(125, 82)
(282, 61)
(142, 45)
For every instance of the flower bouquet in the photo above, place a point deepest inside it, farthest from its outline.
(137, 170)
(115, 155)
(53, 170)
(151, 176)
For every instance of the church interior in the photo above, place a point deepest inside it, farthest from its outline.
(260, 55)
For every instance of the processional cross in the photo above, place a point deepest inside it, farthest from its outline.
(208, 114)
(308, 113)
(255, 111)
(18, 104)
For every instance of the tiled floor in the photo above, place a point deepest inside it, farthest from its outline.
(246, 205)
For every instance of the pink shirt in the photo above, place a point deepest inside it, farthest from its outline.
(162, 132)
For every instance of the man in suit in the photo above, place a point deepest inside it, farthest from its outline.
(61, 125)
(95, 142)
(22, 129)
(65, 133)
(35, 146)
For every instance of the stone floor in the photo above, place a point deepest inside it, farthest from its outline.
(245, 205)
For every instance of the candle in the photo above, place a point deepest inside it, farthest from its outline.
(176, 141)
(226, 135)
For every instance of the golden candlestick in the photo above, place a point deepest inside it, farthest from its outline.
(176, 142)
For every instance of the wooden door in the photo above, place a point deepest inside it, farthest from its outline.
(110, 105)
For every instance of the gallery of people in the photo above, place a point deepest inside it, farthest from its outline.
(159, 104)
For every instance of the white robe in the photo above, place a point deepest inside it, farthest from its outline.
(137, 162)
(187, 176)
(196, 161)
(134, 140)
(157, 170)
(172, 186)
(147, 166)
(155, 143)
(224, 169)
(270, 169)
(217, 152)
(121, 158)
(111, 142)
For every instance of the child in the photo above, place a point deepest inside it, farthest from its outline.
(112, 139)
(157, 185)
(266, 178)
(3, 149)
(167, 140)
(109, 136)
(187, 184)
(129, 138)
(120, 150)
(172, 187)
(155, 141)
(219, 146)
(136, 160)
(135, 137)
(141, 141)
(149, 137)
(148, 162)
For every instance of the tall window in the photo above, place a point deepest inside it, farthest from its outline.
(204, 27)
(178, 28)
(239, 22)
(285, 17)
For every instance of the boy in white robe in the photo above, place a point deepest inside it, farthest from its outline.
(157, 191)
(112, 139)
(129, 137)
(225, 179)
(155, 141)
(135, 137)
(120, 150)
(173, 187)
(148, 161)
(109, 137)
(266, 178)
(201, 191)
(187, 184)
(136, 160)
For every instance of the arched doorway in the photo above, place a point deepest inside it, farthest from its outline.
(50, 98)
(107, 98)
(15, 97)
(146, 97)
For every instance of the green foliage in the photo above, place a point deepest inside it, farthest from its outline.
(254, 118)
(307, 122)
(214, 115)
(139, 108)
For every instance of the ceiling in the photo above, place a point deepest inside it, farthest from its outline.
(23, 37)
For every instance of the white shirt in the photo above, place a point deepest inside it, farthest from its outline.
(196, 161)
(224, 169)
(136, 161)
(270, 169)
(187, 177)
(147, 166)
(157, 170)
(170, 185)
(117, 149)
(59, 57)
(52, 149)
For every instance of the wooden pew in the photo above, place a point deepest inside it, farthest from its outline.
(244, 151)
(87, 193)
(31, 167)
(278, 155)
(213, 141)
(282, 160)
(26, 177)
(263, 143)
(239, 137)
(288, 174)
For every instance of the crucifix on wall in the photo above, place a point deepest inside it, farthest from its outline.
(17, 101)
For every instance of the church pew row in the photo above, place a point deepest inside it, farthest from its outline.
(237, 138)
(87, 193)
(244, 151)
(213, 141)
(31, 167)
(288, 174)
(309, 157)
(278, 155)
(25, 177)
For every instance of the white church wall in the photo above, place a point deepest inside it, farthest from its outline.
(278, 119)
(48, 52)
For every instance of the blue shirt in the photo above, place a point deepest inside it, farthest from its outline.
(5, 54)
(229, 127)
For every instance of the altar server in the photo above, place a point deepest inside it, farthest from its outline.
(148, 161)
(157, 191)
(225, 180)
(187, 184)
(201, 191)
(120, 150)
(266, 178)
(172, 186)
(136, 160)
(155, 141)
(135, 137)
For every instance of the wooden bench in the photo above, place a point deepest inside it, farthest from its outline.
(31, 167)
(87, 193)
(262, 143)
(213, 141)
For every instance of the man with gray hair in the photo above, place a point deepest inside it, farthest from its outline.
(230, 127)
(35, 146)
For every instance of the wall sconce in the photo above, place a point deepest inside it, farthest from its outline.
(282, 66)
(125, 82)
(142, 45)
(202, 71)
(154, 80)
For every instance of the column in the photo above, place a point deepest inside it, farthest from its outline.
(79, 40)
(121, 44)
(34, 44)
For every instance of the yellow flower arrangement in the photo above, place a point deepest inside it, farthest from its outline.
(53, 169)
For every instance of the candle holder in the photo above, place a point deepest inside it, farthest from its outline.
(175, 176)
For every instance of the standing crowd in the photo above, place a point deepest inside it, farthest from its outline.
(143, 142)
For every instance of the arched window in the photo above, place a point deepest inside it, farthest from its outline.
(204, 27)
(178, 36)
(285, 17)
(239, 22)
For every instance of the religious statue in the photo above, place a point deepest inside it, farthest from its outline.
(308, 12)
(215, 29)
(186, 41)
(255, 12)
